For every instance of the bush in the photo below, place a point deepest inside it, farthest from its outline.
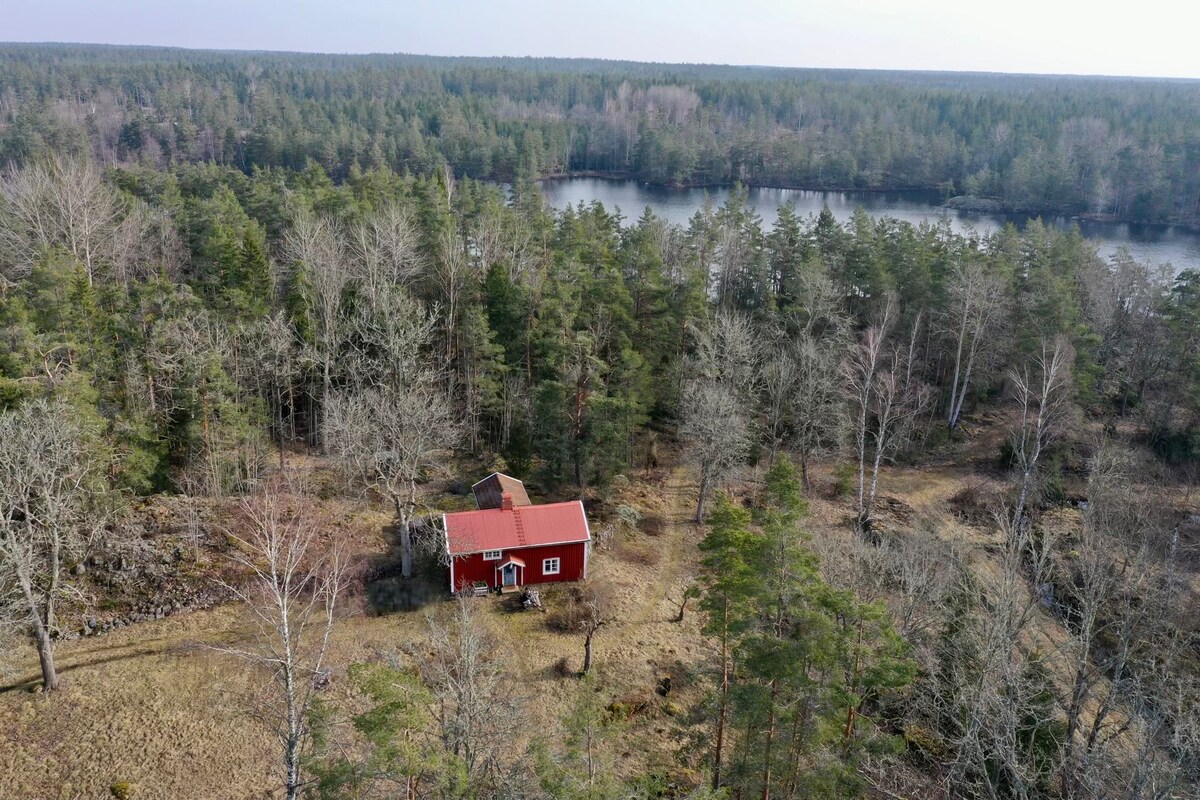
(927, 743)
(567, 613)
(1007, 454)
(121, 790)
(629, 516)
(1054, 490)
(844, 478)
(938, 435)
(975, 504)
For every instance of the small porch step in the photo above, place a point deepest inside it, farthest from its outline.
(510, 589)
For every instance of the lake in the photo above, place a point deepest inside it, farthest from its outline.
(1156, 244)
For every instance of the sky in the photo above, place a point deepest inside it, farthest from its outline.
(1100, 37)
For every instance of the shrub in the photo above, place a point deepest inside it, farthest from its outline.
(121, 790)
(567, 613)
(927, 743)
(1054, 491)
(938, 435)
(629, 516)
(975, 504)
(844, 477)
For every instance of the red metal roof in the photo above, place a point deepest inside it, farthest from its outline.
(523, 526)
(511, 560)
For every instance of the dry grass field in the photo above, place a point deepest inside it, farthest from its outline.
(154, 705)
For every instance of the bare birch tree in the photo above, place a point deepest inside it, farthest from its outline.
(727, 352)
(44, 493)
(717, 435)
(390, 331)
(1096, 585)
(1043, 394)
(859, 374)
(718, 400)
(451, 271)
(64, 204)
(386, 248)
(497, 239)
(272, 356)
(779, 379)
(296, 580)
(973, 316)
(479, 711)
(817, 403)
(315, 248)
(991, 701)
(1124, 654)
(885, 400)
(385, 437)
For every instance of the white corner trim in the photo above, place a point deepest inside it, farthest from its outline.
(586, 527)
(449, 555)
(481, 480)
(587, 545)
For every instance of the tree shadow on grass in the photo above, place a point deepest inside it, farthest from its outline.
(108, 655)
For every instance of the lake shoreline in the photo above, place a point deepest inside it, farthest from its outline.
(1148, 242)
(967, 204)
(632, 176)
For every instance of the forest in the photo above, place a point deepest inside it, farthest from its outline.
(878, 510)
(1124, 149)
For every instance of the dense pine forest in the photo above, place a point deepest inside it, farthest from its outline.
(1122, 148)
(877, 510)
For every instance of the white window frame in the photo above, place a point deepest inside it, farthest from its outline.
(546, 562)
(493, 555)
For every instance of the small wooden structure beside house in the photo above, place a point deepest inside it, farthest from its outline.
(509, 542)
(489, 492)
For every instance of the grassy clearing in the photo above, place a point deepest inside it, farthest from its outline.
(145, 705)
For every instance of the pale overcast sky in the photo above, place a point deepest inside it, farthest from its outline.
(1149, 37)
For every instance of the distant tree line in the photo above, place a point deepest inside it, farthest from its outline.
(1129, 148)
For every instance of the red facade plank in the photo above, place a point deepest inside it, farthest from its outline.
(467, 569)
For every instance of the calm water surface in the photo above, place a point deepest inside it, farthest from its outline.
(1151, 243)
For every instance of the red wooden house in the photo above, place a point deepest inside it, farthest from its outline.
(509, 544)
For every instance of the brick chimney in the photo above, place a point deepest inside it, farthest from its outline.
(506, 501)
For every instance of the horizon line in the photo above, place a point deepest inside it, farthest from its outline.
(610, 60)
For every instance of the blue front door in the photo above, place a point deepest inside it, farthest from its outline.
(510, 574)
